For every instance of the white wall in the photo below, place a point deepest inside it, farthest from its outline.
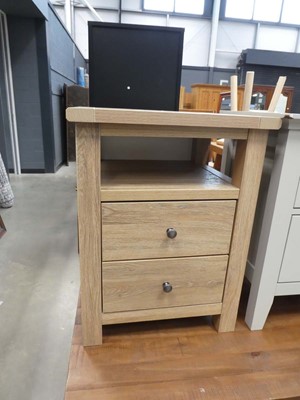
(196, 39)
(277, 39)
(81, 17)
(233, 37)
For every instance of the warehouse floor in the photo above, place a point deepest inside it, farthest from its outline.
(39, 283)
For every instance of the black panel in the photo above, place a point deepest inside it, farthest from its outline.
(25, 69)
(134, 66)
(269, 74)
(191, 75)
(23, 8)
(45, 95)
(64, 59)
(272, 58)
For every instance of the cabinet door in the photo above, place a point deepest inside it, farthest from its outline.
(208, 99)
(290, 269)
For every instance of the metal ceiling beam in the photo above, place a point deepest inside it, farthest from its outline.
(68, 15)
(91, 8)
(214, 33)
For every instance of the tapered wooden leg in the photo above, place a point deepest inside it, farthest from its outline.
(88, 153)
(247, 172)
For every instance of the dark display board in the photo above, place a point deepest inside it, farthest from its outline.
(135, 66)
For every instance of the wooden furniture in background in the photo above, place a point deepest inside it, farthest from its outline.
(268, 91)
(75, 95)
(206, 97)
(181, 97)
(215, 153)
(273, 264)
(140, 223)
(211, 90)
(187, 103)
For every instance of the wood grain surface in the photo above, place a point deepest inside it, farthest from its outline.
(246, 175)
(172, 118)
(161, 180)
(89, 229)
(172, 131)
(138, 285)
(154, 314)
(187, 359)
(138, 230)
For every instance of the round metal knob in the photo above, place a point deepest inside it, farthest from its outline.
(167, 287)
(171, 233)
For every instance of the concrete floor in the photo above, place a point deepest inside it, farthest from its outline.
(39, 283)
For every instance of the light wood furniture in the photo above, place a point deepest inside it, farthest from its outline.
(273, 264)
(181, 97)
(162, 240)
(215, 153)
(206, 97)
(277, 92)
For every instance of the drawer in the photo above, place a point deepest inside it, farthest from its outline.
(138, 285)
(139, 230)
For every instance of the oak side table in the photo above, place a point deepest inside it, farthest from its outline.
(164, 239)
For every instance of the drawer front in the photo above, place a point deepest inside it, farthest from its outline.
(150, 284)
(139, 230)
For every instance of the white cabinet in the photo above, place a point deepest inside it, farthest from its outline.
(297, 199)
(290, 269)
(274, 257)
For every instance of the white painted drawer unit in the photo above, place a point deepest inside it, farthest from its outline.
(164, 239)
(274, 264)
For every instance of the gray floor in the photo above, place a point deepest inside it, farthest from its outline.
(39, 283)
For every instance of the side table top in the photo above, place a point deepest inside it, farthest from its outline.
(173, 118)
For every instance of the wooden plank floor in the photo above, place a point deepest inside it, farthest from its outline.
(188, 360)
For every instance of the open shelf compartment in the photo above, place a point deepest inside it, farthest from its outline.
(162, 180)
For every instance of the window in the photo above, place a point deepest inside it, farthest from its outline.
(284, 11)
(239, 9)
(189, 6)
(267, 10)
(291, 12)
(179, 6)
(159, 5)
